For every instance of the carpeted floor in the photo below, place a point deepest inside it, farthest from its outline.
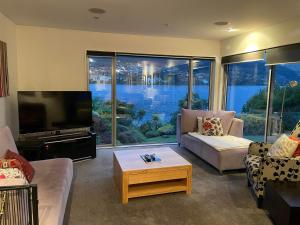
(216, 199)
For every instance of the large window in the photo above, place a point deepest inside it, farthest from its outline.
(263, 87)
(247, 85)
(201, 84)
(284, 100)
(136, 101)
(149, 96)
(100, 82)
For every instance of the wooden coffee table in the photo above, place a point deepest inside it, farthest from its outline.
(137, 178)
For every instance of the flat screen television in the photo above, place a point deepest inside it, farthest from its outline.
(42, 111)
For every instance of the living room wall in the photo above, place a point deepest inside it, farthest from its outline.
(284, 33)
(54, 59)
(8, 109)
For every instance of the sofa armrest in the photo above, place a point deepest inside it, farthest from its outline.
(236, 128)
(178, 128)
(259, 148)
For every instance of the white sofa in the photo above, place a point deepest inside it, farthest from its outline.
(53, 178)
(223, 152)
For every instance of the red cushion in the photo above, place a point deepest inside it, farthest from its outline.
(27, 169)
(297, 152)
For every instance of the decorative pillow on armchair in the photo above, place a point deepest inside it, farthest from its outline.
(212, 127)
(283, 147)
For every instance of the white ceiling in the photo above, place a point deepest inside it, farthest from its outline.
(185, 18)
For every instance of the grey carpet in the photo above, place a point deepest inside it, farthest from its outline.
(215, 200)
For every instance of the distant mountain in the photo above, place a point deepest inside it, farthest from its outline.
(257, 74)
(250, 73)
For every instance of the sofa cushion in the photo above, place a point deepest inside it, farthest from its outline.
(221, 143)
(296, 130)
(54, 178)
(226, 119)
(283, 147)
(212, 126)
(6, 141)
(27, 169)
(189, 119)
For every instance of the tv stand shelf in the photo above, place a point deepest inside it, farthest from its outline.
(77, 146)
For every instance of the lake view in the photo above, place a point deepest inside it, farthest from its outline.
(163, 100)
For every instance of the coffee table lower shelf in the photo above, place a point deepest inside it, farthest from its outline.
(155, 188)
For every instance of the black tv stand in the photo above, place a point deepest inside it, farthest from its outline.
(77, 146)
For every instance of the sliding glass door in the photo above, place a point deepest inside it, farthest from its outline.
(263, 87)
(247, 88)
(284, 100)
(136, 98)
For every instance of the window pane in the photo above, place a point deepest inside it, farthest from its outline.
(201, 80)
(150, 93)
(100, 85)
(247, 85)
(285, 100)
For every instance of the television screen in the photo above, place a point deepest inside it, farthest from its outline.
(41, 111)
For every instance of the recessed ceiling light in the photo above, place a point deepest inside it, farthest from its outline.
(221, 23)
(230, 29)
(97, 10)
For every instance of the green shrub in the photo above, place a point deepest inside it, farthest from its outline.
(166, 129)
(145, 128)
(152, 133)
(131, 136)
(254, 124)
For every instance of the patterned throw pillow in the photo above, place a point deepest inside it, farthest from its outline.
(296, 132)
(27, 169)
(10, 163)
(283, 147)
(9, 173)
(200, 124)
(212, 127)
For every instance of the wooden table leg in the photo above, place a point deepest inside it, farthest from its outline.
(124, 188)
(189, 180)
